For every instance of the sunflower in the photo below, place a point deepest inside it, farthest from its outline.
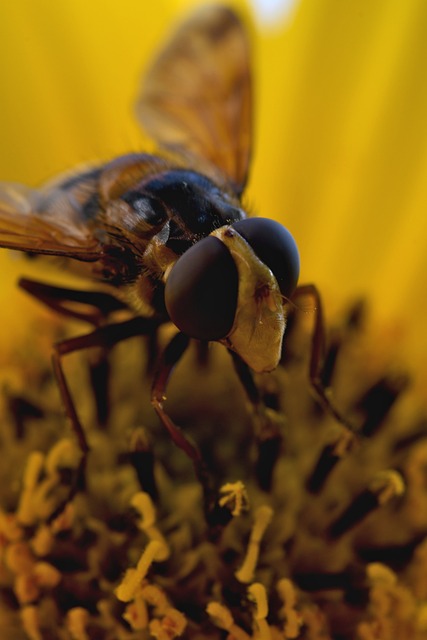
(317, 530)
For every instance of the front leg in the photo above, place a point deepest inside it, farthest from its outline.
(317, 357)
(332, 452)
(268, 425)
(168, 360)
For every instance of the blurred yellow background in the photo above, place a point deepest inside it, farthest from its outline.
(340, 143)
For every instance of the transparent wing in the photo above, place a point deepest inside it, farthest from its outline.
(196, 97)
(45, 222)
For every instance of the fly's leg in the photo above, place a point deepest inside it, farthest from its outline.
(103, 337)
(317, 356)
(170, 357)
(94, 307)
(268, 424)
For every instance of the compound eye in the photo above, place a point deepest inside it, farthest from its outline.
(275, 247)
(201, 291)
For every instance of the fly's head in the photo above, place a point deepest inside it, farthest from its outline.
(231, 287)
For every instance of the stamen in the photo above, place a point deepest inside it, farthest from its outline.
(144, 505)
(25, 513)
(235, 497)
(47, 575)
(77, 622)
(172, 625)
(132, 579)
(155, 597)
(293, 619)
(65, 453)
(136, 613)
(263, 516)
(222, 618)
(31, 622)
(258, 595)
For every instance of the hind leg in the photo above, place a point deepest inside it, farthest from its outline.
(93, 307)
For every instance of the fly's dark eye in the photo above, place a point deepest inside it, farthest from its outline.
(275, 247)
(201, 291)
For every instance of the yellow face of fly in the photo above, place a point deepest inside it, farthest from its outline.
(260, 321)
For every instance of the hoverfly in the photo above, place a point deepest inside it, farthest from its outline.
(168, 232)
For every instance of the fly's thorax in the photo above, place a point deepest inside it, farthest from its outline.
(123, 173)
(259, 323)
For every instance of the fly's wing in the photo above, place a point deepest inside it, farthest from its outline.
(48, 221)
(196, 98)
